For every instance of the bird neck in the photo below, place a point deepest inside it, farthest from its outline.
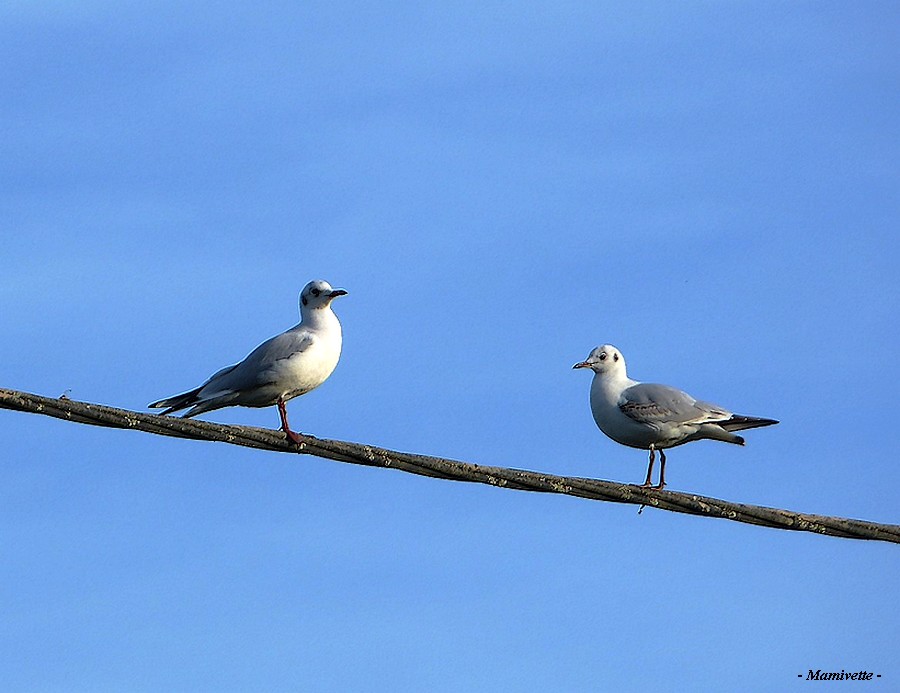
(608, 386)
(319, 318)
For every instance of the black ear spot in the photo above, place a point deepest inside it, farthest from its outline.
(615, 357)
(303, 300)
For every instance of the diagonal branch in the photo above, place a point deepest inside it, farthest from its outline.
(594, 489)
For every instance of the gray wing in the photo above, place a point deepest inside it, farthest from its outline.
(187, 399)
(650, 403)
(226, 386)
(260, 365)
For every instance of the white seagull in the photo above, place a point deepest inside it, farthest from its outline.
(283, 367)
(654, 417)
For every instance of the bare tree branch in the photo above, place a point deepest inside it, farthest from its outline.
(594, 489)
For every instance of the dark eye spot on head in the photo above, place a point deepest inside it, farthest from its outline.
(603, 356)
(315, 292)
(615, 357)
(304, 301)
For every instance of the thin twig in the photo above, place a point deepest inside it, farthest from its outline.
(594, 489)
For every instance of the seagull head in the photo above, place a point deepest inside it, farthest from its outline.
(604, 360)
(318, 294)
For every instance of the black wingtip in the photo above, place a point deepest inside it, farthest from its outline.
(742, 423)
(176, 402)
(764, 422)
(160, 405)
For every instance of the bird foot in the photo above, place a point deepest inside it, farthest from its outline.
(296, 438)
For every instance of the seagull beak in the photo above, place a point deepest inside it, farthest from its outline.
(582, 364)
(336, 293)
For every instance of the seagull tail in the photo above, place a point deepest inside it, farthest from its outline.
(742, 423)
(176, 402)
(715, 431)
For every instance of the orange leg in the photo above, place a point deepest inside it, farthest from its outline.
(282, 412)
(662, 470)
(646, 483)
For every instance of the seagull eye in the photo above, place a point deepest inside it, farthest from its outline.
(315, 292)
(603, 356)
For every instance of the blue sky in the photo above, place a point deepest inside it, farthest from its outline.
(711, 187)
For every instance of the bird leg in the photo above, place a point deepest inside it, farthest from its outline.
(293, 437)
(646, 483)
(662, 470)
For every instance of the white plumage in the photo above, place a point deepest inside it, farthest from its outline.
(285, 366)
(655, 417)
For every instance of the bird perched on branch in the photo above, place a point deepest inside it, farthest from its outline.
(655, 417)
(283, 367)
